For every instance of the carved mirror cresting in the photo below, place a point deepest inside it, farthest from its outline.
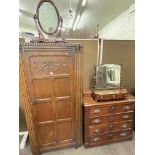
(48, 21)
(108, 76)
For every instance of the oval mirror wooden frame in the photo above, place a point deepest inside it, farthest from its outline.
(59, 17)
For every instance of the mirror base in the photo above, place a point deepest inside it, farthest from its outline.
(109, 94)
(51, 40)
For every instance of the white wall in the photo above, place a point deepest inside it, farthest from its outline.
(27, 28)
(122, 27)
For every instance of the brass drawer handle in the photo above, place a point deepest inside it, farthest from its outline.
(123, 134)
(126, 107)
(111, 117)
(96, 111)
(125, 116)
(96, 139)
(110, 136)
(113, 107)
(110, 126)
(97, 130)
(113, 96)
(124, 126)
(96, 121)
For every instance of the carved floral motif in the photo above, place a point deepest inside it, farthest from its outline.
(59, 64)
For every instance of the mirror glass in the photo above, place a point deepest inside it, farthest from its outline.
(48, 17)
(108, 76)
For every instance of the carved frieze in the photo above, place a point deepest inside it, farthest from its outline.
(54, 65)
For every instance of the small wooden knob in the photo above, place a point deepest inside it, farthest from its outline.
(113, 96)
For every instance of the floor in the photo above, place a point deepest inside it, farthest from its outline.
(122, 148)
(22, 121)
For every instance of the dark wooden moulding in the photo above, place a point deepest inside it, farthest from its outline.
(51, 88)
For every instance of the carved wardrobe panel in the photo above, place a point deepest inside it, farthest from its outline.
(51, 78)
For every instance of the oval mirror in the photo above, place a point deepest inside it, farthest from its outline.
(48, 17)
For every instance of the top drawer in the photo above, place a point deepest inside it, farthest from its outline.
(108, 109)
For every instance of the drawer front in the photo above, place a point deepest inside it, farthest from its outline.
(118, 135)
(111, 118)
(109, 97)
(103, 110)
(111, 136)
(101, 129)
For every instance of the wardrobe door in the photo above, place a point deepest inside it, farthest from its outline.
(50, 80)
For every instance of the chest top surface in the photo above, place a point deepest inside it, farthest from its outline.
(89, 101)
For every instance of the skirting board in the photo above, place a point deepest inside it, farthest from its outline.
(24, 139)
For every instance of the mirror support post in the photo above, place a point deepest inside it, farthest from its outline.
(60, 26)
(36, 25)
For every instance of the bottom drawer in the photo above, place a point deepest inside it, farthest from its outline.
(87, 144)
(111, 136)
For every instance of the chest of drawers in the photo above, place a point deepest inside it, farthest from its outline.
(107, 121)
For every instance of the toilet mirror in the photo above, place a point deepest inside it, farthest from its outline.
(108, 76)
(47, 18)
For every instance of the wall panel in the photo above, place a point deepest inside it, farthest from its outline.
(90, 50)
(122, 52)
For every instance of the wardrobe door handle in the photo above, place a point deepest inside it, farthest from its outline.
(33, 101)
